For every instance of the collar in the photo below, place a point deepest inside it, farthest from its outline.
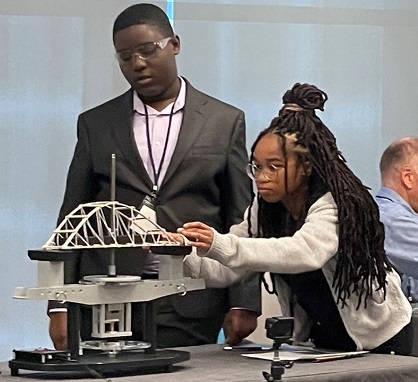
(391, 195)
(138, 105)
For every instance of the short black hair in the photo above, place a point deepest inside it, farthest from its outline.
(143, 13)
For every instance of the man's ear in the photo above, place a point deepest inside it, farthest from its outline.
(407, 177)
(176, 44)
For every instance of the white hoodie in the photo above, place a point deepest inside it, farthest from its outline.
(312, 247)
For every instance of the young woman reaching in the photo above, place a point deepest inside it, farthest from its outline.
(314, 226)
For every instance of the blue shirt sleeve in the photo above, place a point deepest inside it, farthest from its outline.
(401, 236)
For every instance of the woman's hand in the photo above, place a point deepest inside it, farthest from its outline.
(178, 238)
(199, 234)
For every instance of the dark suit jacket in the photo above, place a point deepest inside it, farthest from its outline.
(205, 181)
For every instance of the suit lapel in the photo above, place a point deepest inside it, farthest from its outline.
(194, 118)
(121, 119)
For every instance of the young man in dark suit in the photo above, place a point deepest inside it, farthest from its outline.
(184, 150)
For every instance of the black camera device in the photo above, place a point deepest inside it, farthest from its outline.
(280, 330)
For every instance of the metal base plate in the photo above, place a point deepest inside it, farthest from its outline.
(128, 362)
(114, 347)
(99, 279)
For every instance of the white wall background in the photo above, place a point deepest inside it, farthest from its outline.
(57, 60)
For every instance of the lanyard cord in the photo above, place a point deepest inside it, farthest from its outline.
(157, 173)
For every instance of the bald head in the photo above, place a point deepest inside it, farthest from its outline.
(399, 169)
(397, 155)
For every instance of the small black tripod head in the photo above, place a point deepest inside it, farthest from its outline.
(280, 330)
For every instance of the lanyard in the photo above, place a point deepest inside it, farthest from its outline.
(154, 170)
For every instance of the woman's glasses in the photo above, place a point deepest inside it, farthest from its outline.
(269, 171)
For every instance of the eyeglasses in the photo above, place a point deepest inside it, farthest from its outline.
(144, 51)
(270, 171)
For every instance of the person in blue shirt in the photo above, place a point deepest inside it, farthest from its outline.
(398, 204)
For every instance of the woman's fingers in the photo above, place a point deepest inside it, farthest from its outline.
(179, 238)
(196, 226)
(199, 234)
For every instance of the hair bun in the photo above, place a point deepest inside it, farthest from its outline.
(307, 96)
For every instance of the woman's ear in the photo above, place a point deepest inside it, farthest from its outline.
(307, 168)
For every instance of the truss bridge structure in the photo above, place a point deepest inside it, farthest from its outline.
(107, 224)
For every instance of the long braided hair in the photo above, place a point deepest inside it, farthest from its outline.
(361, 260)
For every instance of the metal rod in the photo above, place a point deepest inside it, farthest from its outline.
(113, 179)
(112, 266)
